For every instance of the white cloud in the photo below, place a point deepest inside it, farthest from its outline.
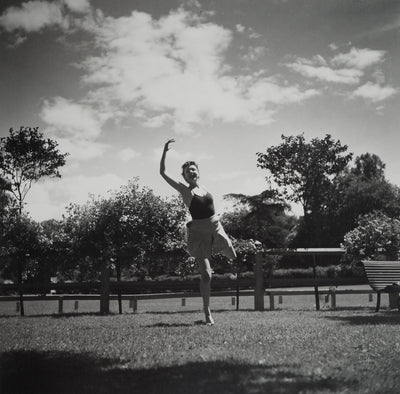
(80, 6)
(359, 58)
(346, 68)
(181, 157)
(240, 28)
(374, 92)
(325, 73)
(75, 126)
(72, 119)
(266, 90)
(254, 53)
(173, 69)
(170, 70)
(49, 198)
(33, 16)
(128, 154)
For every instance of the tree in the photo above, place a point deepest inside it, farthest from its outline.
(261, 217)
(132, 228)
(25, 157)
(360, 190)
(369, 166)
(304, 172)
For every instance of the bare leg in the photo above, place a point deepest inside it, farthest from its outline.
(205, 287)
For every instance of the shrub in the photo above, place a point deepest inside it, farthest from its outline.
(376, 236)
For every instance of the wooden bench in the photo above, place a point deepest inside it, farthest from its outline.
(383, 277)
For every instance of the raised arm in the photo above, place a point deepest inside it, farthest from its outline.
(176, 185)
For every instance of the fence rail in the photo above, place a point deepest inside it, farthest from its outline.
(329, 294)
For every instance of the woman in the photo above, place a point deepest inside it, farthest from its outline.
(205, 233)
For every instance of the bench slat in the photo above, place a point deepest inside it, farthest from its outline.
(381, 274)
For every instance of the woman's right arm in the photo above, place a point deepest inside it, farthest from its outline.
(172, 182)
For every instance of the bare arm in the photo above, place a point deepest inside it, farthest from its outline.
(172, 182)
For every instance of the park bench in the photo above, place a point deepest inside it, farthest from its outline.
(383, 277)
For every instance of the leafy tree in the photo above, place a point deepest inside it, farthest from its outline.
(25, 157)
(360, 190)
(304, 172)
(22, 243)
(261, 217)
(133, 228)
(369, 166)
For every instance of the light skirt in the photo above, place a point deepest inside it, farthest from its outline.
(206, 237)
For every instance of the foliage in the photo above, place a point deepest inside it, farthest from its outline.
(133, 228)
(376, 235)
(304, 169)
(261, 217)
(25, 157)
(23, 241)
(360, 190)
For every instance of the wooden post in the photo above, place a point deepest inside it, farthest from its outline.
(237, 291)
(104, 288)
(76, 305)
(21, 294)
(133, 304)
(315, 284)
(370, 297)
(280, 299)
(233, 300)
(60, 304)
(333, 297)
(259, 283)
(183, 301)
(17, 306)
(393, 300)
(271, 302)
(118, 266)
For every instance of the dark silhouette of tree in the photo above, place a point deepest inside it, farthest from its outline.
(261, 217)
(304, 171)
(25, 157)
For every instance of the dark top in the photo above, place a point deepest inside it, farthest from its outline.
(202, 207)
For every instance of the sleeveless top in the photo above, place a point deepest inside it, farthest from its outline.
(202, 207)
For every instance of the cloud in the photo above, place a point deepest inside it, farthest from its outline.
(173, 71)
(128, 154)
(349, 69)
(73, 119)
(374, 92)
(33, 16)
(49, 198)
(79, 6)
(240, 28)
(181, 157)
(323, 73)
(359, 58)
(76, 127)
(254, 53)
(168, 71)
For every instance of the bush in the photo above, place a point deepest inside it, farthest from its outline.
(377, 236)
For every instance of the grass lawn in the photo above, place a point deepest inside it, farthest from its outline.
(349, 350)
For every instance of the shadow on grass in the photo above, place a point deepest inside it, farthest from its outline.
(373, 318)
(59, 372)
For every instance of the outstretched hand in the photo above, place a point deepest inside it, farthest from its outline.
(166, 146)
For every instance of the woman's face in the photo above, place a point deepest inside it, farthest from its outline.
(191, 174)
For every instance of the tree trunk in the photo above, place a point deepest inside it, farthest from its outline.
(104, 288)
(118, 266)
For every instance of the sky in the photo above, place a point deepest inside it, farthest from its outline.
(112, 81)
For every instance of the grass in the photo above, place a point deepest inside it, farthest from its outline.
(349, 350)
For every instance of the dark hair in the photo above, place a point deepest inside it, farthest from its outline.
(188, 164)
